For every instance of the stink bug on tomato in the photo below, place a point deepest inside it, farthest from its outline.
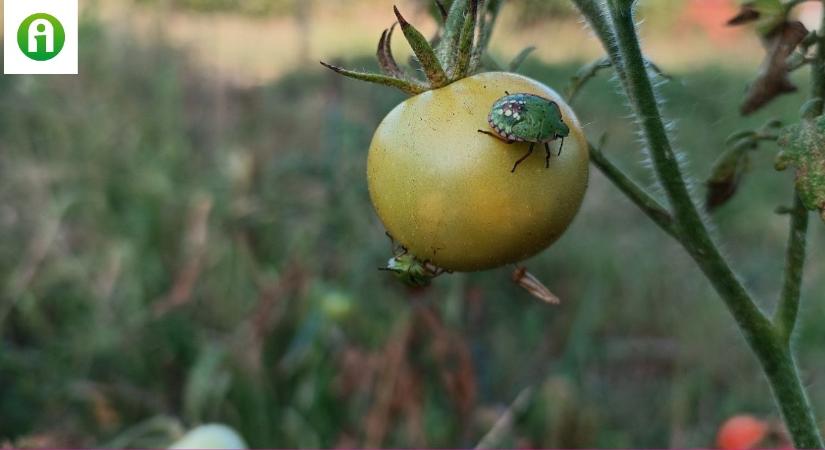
(529, 118)
(410, 270)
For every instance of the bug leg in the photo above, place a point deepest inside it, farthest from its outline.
(507, 93)
(560, 146)
(506, 141)
(546, 155)
(529, 152)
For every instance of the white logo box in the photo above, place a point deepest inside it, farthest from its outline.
(15, 12)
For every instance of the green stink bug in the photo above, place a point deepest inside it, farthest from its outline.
(529, 118)
(412, 271)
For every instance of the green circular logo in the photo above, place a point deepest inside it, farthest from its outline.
(41, 37)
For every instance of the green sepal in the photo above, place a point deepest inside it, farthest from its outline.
(520, 58)
(423, 51)
(384, 80)
(385, 58)
(441, 10)
(447, 46)
(465, 48)
(488, 12)
(803, 146)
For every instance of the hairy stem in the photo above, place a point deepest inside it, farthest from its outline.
(634, 192)
(818, 67)
(788, 308)
(770, 348)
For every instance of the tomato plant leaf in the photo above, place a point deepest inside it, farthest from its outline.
(803, 146)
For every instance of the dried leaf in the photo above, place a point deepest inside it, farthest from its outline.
(804, 148)
(532, 285)
(727, 173)
(772, 79)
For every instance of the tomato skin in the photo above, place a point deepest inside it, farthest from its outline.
(741, 432)
(446, 192)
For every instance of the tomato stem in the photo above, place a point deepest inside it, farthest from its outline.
(646, 202)
(614, 25)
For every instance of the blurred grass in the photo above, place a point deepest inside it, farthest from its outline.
(176, 250)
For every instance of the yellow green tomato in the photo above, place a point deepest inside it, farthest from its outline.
(446, 192)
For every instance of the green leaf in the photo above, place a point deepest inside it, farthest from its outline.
(803, 147)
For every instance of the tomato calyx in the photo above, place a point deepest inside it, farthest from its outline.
(454, 53)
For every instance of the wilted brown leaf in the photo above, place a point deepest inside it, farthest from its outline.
(533, 285)
(726, 175)
(772, 79)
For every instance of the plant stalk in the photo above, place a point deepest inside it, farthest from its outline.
(634, 192)
(786, 312)
(771, 349)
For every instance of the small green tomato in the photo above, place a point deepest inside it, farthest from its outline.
(523, 117)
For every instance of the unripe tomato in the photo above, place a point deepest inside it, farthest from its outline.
(741, 432)
(446, 192)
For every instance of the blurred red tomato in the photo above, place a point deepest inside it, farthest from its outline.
(741, 432)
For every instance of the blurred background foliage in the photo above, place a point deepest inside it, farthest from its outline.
(186, 237)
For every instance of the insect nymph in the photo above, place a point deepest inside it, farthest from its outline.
(527, 118)
(410, 270)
